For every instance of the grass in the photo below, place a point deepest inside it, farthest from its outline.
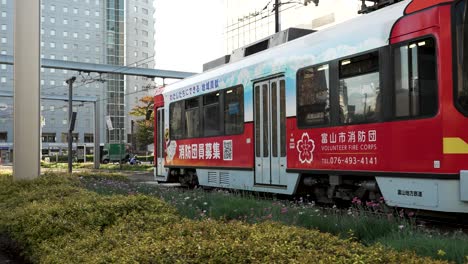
(356, 223)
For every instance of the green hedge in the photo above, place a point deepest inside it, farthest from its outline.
(57, 221)
(64, 158)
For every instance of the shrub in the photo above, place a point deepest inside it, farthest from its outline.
(57, 221)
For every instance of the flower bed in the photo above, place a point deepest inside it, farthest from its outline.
(57, 221)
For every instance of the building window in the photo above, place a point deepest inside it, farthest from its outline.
(145, 11)
(313, 96)
(65, 33)
(65, 137)
(52, 108)
(48, 137)
(96, 25)
(75, 34)
(65, 21)
(52, 8)
(86, 24)
(96, 13)
(3, 136)
(52, 57)
(144, 54)
(3, 14)
(3, 79)
(4, 40)
(144, 44)
(88, 138)
(4, 27)
(75, 10)
(52, 44)
(144, 22)
(65, 57)
(144, 33)
(52, 32)
(65, 9)
(86, 36)
(52, 20)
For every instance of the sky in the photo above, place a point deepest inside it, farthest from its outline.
(188, 33)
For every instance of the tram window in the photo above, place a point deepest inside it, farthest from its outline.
(211, 116)
(192, 118)
(313, 93)
(461, 40)
(415, 79)
(359, 93)
(234, 110)
(175, 112)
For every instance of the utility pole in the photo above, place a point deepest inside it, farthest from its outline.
(97, 150)
(277, 18)
(70, 117)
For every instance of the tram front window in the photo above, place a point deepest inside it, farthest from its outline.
(461, 40)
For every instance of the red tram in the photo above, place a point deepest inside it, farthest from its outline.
(376, 106)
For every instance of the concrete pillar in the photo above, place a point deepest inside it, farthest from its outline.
(27, 22)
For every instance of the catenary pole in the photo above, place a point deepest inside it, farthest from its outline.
(70, 115)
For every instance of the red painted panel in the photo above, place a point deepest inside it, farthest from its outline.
(414, 23)
(417, 5)
(403, 146)
(234, 151)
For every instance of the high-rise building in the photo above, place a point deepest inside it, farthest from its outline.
(139, 52)
(113, 32)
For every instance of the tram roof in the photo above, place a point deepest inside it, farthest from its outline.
(372, 29)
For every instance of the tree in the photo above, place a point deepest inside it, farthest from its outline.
(143, 130)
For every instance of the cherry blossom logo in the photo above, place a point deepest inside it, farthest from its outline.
(306, 147)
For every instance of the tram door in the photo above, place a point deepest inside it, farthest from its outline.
(270, 132)
(160, 142)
